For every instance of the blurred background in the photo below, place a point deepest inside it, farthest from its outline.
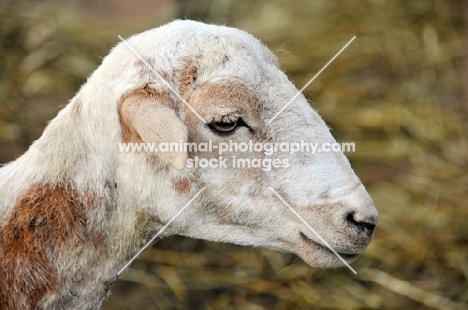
(398, 91)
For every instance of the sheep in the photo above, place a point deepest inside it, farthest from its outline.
(75, 208)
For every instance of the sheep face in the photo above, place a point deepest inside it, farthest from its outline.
(234, 83)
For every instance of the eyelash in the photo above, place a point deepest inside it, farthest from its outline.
(217, 126)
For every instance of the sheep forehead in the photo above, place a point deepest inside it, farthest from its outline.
(218, 37)
(228, 55)
(210, 45)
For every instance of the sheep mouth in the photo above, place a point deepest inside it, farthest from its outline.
(346, 256)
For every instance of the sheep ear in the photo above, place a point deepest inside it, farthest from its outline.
(146, 119)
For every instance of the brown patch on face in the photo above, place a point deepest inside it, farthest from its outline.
(215, 100)
(187, 79)
(46, 221)
(227, 92)
(181, 186)
(132, 100)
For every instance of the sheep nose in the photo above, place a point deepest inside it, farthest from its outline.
(365, 224)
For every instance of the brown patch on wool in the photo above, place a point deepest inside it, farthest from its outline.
(187, 79)
(45, 221)
(181, 186)
(132, 100)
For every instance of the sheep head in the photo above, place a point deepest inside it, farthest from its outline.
(224, 87)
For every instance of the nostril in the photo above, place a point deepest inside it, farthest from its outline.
(367, 224)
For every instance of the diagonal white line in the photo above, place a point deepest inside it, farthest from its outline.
(311, 80)
(160, 231)
(162, 80)
(313, 230)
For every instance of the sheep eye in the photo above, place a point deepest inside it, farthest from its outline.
(224, 127)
